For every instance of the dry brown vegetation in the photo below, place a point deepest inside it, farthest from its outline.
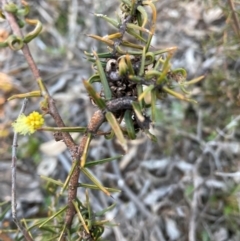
(186, 186)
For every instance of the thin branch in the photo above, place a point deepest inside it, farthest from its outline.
(14, 160)
(96, 121)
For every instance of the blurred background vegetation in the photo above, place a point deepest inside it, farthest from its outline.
(170, 188)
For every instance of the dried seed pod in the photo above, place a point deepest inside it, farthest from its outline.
(111, 65)
(112, 70)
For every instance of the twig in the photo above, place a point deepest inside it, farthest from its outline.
(14, 160)
(95, 122)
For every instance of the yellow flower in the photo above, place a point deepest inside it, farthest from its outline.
(28, 124)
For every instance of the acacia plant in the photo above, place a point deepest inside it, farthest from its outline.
(134, 77)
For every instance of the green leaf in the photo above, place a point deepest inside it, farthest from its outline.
(181, 71)
(110, 135)
(129, 125)
(102, 212)
(143, 15)
(94, 78)
(178, 95)
(145, 92)
(152, 73)
(93, 163)
(117, 129)
(53, 216)
(151, 136)
(123, 67)
(106, 88)
(150, 58)
(136, 35)
(129, 64)
(92, 186)
(95, 180)
(142, 68)
(137, 110)
(96, 97)
(74, 165)
(100, 55)
(35, 223)
(166, 67)
(4, 211)
(64, 129)
(109, 20)
(75, 203)
(59, 183)
(85, 151)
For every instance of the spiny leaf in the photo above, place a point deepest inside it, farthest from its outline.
(102, 212)
(106, 88)
(93, 163)
(94, 78)
(96, 97)
(117, 129)
(35, 93)
(144, 15)
(85, 151)
(137, 110)
(145, 92)
(80, 216)
(166, 67)
(95, 187)
(64, 129)
(74, 165)
(129, 125)
(53, 216)
(95, 180)
(59, 183)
